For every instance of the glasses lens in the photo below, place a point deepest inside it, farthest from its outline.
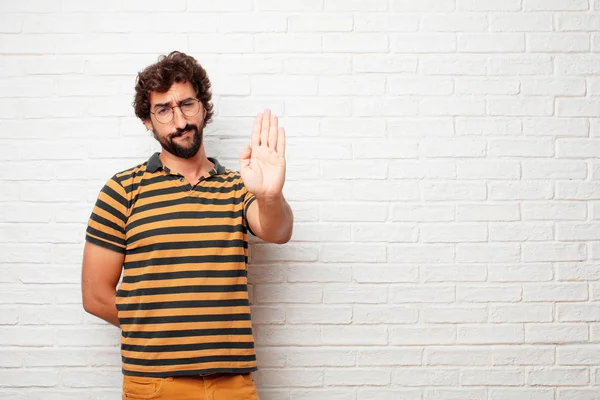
(166, 117)
(190, 108)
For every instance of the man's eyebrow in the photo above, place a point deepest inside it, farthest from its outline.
(169, 103)
(161, 104)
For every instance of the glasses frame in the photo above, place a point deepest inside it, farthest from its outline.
(173, 111)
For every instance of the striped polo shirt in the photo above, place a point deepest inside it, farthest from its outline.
(183, 301)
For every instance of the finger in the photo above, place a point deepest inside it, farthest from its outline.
(281, 142)
(256, 130)
(245, 155)
(273, 132)
(264, 131)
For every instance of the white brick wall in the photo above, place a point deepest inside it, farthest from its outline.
(442, 169)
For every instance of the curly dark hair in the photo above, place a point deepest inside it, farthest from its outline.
(158, 77)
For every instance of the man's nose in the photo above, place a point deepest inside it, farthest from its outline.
(179, 118)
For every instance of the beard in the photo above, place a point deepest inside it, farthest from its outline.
(168, 143)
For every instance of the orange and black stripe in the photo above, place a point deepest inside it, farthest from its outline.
(183, 301)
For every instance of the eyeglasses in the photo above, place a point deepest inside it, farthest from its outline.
(165, 114)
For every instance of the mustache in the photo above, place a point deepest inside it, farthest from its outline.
(180, 132)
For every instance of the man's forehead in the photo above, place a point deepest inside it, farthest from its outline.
(178, 91)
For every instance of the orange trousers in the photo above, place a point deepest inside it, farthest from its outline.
(211, 387)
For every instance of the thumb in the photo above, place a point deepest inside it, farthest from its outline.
(246, 154)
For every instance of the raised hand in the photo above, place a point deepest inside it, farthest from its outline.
(262, 164)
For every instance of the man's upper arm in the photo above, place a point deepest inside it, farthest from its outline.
(101, 270)
(104, 251)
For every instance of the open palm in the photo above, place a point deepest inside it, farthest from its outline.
(262, 164)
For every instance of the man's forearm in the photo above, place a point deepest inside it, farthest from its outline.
(275, 218)
(104, 308)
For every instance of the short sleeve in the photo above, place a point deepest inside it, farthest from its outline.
(248, 199)
(106, 226)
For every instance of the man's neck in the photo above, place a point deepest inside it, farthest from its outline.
(192, 168)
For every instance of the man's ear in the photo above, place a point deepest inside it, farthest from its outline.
(148, 124)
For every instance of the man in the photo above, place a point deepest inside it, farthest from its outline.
(176, 226)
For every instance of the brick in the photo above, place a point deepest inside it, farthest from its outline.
(574, 21)
(431, 334)
(521, 22)
(558, 376)
(358, 377)
(521, 232)
(385, 22)
(432, 253)
(523, 355)
(420, 169)
(556, 333)
(425, 5)
(355, 335)
(291, 377)
(459, 273)
(489, 169)
(554, 169)
(349, 85)
(524, 190)
(457, 355)
(488, 5)
(389, 356)
(384, 63)
(558, 42)
(376, 314)
(422, 294)
(555, 87)
(408, 377)
(520, 272)
(577, 354)
(423, 43)
(526, 107)
(259, 23)
(491, 43)
(483, 294)
(577, 312)
(288, 43)
(453, 233)
(555, 5)
(355, 43)
(577, 272)
(273, 5)
(452, 191)
(497, 334)
(453, 314)
(492, 377)
(458, 22)
(318, 273)
(521, 393)
(354, 293)
(355, 5)
(384, 274)
(558, 210)
(318, 315)
(577, 148)
(318, 357)
(487, 212)
(577, 108)
(463, 65)
(343, 127)
(536, 65)
(487, 86)
(520, 313)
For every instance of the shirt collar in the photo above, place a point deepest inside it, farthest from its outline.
(154, 164)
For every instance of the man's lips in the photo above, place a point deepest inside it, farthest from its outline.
(183, 134)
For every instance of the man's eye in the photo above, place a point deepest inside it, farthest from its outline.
(162, 111)
(187, 104)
